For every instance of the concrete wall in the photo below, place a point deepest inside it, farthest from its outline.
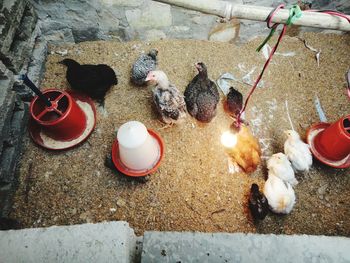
(103, 242)
(19, 33)
(116, 242)
(242, 248)
(81, 20)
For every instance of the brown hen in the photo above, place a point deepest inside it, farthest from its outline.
(246, 153)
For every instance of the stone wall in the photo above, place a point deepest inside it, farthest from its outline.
(19, 36)
(82, 20)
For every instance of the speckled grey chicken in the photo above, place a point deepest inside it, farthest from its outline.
(169, 101)
(202, 95)
(258, 204)
(234, 102)
(93, 80)
(142, 66)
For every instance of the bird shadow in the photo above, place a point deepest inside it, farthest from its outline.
(138, 179)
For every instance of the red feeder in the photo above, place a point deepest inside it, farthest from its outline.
(64, 124)
(330, 143)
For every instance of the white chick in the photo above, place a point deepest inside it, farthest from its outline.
(280, 195)
(297, 151)
(279, 165)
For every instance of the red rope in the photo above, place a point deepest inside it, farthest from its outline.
(331, 12)
(268, 20)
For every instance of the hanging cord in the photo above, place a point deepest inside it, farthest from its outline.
(294, 13)
(238, 121)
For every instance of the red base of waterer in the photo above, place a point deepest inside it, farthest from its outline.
(36, 130)
(311, 134)
(125, 170)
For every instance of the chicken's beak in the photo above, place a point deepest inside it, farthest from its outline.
(149, 76)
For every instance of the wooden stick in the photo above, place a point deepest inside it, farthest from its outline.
(259, 13)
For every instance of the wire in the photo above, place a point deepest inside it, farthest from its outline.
(274, 26)
(294, 13)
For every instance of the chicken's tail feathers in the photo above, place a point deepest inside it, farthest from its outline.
(284, 202)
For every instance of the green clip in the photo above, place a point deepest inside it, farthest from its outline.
(294, 14)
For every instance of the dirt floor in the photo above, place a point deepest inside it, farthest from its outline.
(193, 189)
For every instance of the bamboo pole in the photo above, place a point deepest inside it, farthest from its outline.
(258, 13)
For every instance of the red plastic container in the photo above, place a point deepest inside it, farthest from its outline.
(64, 120)
(334, 142)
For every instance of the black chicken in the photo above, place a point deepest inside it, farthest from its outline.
(234, 102)
(7, 224)
(202, 95)
(142, 66)
(258, 203)
(93, 80)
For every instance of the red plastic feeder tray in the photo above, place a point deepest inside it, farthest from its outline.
(68, 122)
(330, 143)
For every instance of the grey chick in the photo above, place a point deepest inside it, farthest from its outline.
(202, 95)
(169, 101)
(142, 66)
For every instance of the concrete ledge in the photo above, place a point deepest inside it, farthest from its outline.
(249, 248)
(103, 242)
(116, 242)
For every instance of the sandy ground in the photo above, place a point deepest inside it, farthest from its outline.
(193, 189)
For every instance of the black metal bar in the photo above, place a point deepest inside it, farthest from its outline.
(37, 91)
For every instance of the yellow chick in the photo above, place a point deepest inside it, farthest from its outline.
(246, 153)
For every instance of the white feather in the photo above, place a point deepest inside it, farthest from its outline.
(320, 111)
(266, 50)
(279, 194)
(288, 115)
